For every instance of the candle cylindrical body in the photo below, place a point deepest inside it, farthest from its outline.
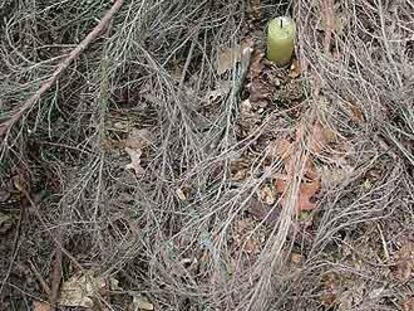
(281, 40)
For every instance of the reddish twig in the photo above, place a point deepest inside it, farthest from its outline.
(56, 274)
(47, 84)
(329, 15)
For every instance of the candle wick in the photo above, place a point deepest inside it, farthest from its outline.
(281, 23)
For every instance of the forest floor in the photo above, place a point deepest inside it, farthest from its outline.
(163, 163)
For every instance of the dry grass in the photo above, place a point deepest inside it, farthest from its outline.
(182, 234)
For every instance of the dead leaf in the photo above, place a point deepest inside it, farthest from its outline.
(4, 195)
(181, 195)
(332, 177)
(79, 290)
(247, 240)
(310, 171)
(214, 95)
(408, 304)
(259, 91)
(356, 113)
(295, 69)
(138, 139)
(281, 148)
(251, 246)
(256, 64)
(239, 175)
(227, 58)
(246, 108)
(260, 88)
(6, 222)
(260, 211)
(305, 193)
(121, 125)
(310, 182)
(141, 303)
(255, 9)
(267, 195)
(135, 164)
(305, 165)
(41, 306)
(331, 282)
(296, 258)
(319, 138)
(339, 22)
(177, 70)
(403, 269)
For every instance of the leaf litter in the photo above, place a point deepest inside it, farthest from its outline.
(81, 290)
(260, 108)
(299, 154)
(41, 306)
(299, 164)
(141, 303)
(137, 140)
(228, 57)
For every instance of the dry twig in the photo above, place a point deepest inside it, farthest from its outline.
(329, 15)
(47, 84)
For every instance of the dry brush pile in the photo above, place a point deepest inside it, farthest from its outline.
(151, 158)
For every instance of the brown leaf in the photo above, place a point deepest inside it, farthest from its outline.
(316, 139)
(244, 239)
(181, 194)
(222, 89)
(141, 303)
(41, 306)
(281, 148)
(310, 170)
(267, 195)
(306, 165)
(135, 164)
(404, 266)
(331, 283)
(259, 91)
(255, 9)
(332, 177)
(261, 211)
(356, 113)
(6, 223)
(296, 258)
(408, 304)
(295, 69)
(227, 58)
(306, 191)
(138, 139)
(79, 290)
(251, 246)
(319, 138)
(259, 88)
(256, 65)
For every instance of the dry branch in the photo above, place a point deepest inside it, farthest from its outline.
(47, 84)
(329, 15)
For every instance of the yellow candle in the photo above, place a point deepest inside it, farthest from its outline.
(281, 40)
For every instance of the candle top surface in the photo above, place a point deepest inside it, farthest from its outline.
(282, 27)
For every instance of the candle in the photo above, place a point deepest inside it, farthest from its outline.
(280, 40)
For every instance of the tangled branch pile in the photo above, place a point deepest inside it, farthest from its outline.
(182, 171)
